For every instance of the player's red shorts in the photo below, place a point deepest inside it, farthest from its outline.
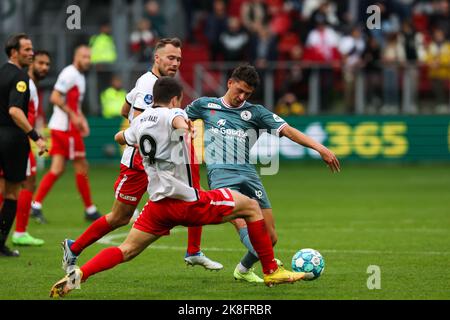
(31, 166)
(160, 217)
(131, 185)
(68, 144)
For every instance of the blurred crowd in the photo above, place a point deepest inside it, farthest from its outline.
(331, 35)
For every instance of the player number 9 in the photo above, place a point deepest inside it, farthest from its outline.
(147, 145)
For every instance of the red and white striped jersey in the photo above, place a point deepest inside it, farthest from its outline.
(71, 83)
(33, 104)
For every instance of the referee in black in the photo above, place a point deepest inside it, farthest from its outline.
(15, 130)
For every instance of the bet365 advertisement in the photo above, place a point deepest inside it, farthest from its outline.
(400, 138)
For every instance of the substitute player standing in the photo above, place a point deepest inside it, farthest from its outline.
(68, 128)
(132, 182)
(175, 197)
(232, 126)
(15, 130)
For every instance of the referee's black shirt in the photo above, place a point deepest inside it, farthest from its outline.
(14, 91)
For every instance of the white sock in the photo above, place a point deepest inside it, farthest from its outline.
(241, 268)
(36, 205)
(18, 234)
(91, 210)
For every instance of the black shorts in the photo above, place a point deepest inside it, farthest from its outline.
(14, 150)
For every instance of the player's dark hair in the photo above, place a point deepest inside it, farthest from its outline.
(14, 43)
(41, 53)
(246, 73)
(165, 89)
(164, 42)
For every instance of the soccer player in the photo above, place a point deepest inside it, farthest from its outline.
(37, 71)
(229, 123)
(175, 197)
(68, 128)
(132, 181)
(15, 130)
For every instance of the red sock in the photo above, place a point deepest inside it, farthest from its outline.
(44, 187)
(96, 230)
(1, 200)
(194, 238)
(84, 189)
(23, 210)
(262, 244)
(106, 259)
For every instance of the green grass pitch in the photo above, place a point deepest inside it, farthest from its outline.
(396, 217)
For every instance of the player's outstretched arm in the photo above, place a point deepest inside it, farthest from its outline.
(327, 155)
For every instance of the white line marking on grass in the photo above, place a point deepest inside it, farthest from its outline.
(109, 240)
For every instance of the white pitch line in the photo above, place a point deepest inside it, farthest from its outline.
(109, 240)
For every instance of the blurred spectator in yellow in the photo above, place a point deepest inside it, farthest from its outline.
(288, 105)
(103, 49)
(112, 99)
(437, 58)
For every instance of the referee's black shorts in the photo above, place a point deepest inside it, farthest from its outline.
(14, 150)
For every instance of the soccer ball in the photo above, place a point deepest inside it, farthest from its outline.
(309, 261)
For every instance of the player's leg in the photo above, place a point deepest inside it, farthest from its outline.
(249, 210)
(57, 168)
(81, 168)
(21, 236)
(145, 231)
(106, 259)
(251, 257)
(7, 215)
(244, 270)
(13, 160)
(2, 188)
(129, 188)
(119, 216)
(251, 186)
(194, 256)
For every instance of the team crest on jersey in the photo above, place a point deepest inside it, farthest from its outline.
(21, 86)
(148, 99)
(214, 106)
(221, 122)
(246, 115)
(277, 118)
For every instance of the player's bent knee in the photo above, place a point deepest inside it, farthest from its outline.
(57, 171)
(254, 209)
(129, 252)
(116, 220)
